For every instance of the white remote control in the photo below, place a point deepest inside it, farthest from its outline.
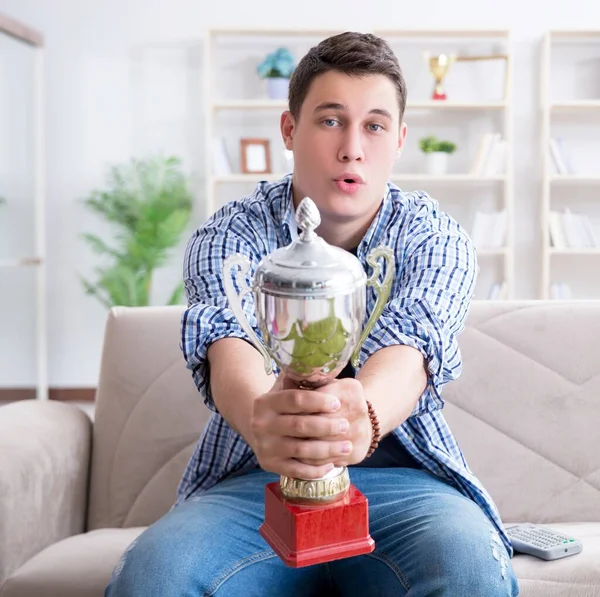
(542, 542)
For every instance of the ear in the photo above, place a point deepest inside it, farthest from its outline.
(402, 136)
(288, 127)
(401, 139)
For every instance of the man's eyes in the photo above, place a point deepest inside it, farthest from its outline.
(373, 127)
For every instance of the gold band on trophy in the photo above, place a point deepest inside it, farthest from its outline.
(316, 491)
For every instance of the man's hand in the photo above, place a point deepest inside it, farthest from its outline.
(304, 433)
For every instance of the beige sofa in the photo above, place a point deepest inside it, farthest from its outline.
(526, 411)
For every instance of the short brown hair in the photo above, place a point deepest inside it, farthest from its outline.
(352, 53)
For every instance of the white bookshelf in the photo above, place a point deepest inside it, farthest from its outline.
(570, 201)
(461, 111)
(28, 41)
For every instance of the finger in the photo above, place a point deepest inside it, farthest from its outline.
(310, 449)
(303, 401)
(300, 470)
(304, 426)
(313, 462)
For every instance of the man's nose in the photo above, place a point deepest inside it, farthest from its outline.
(351, 149)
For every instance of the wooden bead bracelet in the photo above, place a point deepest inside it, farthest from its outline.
(376, 432)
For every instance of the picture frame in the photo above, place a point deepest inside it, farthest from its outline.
(255, 156)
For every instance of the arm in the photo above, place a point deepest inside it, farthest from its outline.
(393, 380)
(431, 296)
(276, 421)
(246, 381)
(44, 461)
(412, 350)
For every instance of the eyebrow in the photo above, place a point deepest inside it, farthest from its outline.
(335, 106)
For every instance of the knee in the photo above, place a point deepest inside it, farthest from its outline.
(472, 560)
(151, 567)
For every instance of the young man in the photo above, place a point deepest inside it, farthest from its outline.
(436, 530)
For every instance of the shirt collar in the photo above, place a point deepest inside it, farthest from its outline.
(285, 213)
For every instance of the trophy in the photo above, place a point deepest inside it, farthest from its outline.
(310, 306)
(438, 66)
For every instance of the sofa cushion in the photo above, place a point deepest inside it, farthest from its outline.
(574, 576)
(80, 566)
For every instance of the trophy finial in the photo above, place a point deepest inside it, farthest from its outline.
(308, 218)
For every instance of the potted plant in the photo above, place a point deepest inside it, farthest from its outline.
(277, 68)
(436, 152)
(148, 203)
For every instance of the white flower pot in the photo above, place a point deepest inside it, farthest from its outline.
(436, 162)
(277, 87)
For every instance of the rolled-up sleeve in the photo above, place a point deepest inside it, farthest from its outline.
(208, 317)
(436, 270)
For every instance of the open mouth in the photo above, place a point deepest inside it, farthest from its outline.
(348, 184)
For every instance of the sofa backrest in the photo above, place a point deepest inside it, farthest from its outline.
(147, 420)
(525, 411)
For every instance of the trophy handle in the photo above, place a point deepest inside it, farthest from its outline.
(383, 290)
(235, 301)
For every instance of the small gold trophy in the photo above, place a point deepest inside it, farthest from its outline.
(438, 66)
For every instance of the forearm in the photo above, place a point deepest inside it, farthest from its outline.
(393, 379)
(237, 378)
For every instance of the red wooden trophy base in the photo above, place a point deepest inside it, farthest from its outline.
(438, 96)
(304, 535)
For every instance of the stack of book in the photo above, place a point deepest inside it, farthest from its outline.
(490, 159)
(559, 157)
(489, 229)
(571, 230)
(560, 291)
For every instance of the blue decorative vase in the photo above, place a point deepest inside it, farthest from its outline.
(277, 87)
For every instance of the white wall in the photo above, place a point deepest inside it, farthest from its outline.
(89, 119)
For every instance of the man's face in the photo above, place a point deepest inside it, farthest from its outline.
(345, 142)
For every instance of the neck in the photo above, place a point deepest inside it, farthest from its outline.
(346, 235)
(338, 231)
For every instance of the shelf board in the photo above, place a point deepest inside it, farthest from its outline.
(21, 262)
(568, 34)
(591, 104)
(412, 33)
(238, 177)
(325, 32)
(266, 31)
(490, 251)
(269, 104)
(575, 251)
(404, 177)
(452, 105)
(446, 178)
(574, 179)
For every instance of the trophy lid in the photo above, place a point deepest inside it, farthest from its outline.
(309, 267)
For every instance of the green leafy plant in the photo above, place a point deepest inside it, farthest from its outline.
(431, 144)
(279, 63)
(148, 203)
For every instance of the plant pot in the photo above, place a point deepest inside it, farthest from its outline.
(436, 162)
(277, 87)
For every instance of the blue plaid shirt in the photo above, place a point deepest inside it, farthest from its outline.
(436, 269)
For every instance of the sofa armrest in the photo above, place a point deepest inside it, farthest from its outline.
(44, 463)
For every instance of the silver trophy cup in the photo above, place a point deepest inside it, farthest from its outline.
(310, 305)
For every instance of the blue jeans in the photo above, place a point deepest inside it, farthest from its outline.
(430, 540)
